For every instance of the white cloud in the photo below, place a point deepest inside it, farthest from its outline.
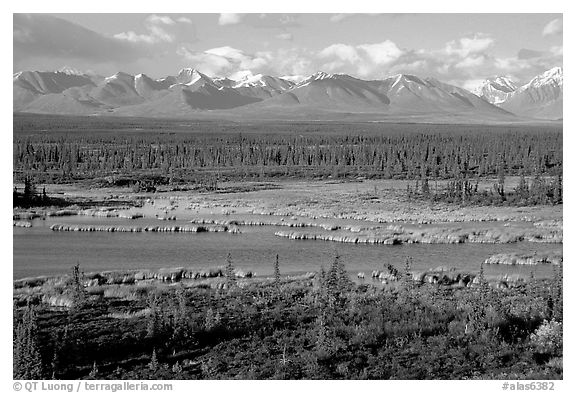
(554, 27)
(470, 62)
(156, 26)
(340, 17)
(466, 46)
(471, 84)
(382, 53)
(133, 37)
(157, 19)
(342, 51)
(293, 61)
(285, 36)
(415, 66)
(362, 60)
(229, 19)
(225, 60)
(557, 50)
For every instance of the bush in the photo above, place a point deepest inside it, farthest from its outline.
(547, 339)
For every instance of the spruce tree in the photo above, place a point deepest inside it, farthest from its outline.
(557, 291)
(277, 271)
(337, 280)
(407, 281)
(153, 318)
(27, 359)
(77, 289)
(94, 371)
(153, 365)
(230, 275)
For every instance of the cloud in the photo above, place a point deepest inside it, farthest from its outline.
(336, 18)
(557, 50)
(157, 32)
(225, 60)
(156, 19)
(470, 62)
(472, 84)
(341, 51)
(44, 36)
(362, 59)
(465, 46)
(554, 27)
(261, 21)
(285, 36)
(228, 61)
(230, 19)
(382, 53)
(529, 54)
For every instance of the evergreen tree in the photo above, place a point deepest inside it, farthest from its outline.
(557, 291)
(176, 368)
(94, 371)
(153, 365)
(407, 281)
(153, 318)
(29, 188)
(78, 292)
(277, 271)
(27, 359)
(230, 274)
(337, 282)
(179, 315)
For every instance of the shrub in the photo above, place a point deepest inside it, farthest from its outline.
(547, 339)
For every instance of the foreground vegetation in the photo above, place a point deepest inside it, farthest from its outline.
(315, 326)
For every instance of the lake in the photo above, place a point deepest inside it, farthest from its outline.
(41, 251)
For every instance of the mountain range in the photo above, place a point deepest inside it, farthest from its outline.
(192, 94)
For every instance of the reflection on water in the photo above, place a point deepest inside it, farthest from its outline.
(40, 251)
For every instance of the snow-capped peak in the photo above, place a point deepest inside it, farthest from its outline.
(317, 76)
(187, 71)
(293, 78)
(251, 80)
(119, 76)
(320, 75)
(496, 90)
(70, 71)
(189, 76)
(190, 73)
(553, 76)
(504, 83)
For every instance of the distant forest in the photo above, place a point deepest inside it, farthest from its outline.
(55, 157)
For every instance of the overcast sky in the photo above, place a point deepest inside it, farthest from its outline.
(456, 48)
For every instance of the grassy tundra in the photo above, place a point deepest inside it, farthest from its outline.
(317, 326)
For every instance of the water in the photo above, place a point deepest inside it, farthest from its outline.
(40, 251)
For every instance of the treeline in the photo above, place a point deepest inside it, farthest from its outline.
(183, 156)
(326, 327)
(537, 191)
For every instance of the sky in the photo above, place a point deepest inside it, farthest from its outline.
(462, 49)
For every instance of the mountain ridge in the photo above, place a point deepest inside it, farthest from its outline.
(192, 94)
(541, 97)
